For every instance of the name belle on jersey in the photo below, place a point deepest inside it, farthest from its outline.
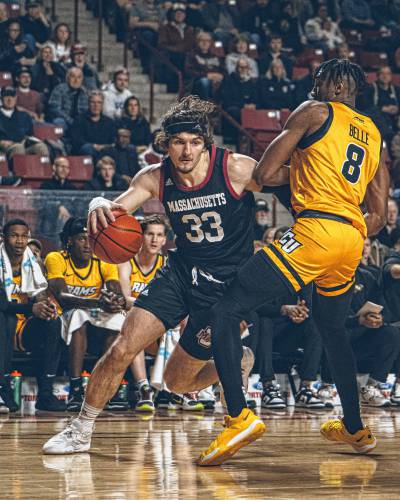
(208, 201)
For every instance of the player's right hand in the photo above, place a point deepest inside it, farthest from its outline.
(43, 310)
(101, 213)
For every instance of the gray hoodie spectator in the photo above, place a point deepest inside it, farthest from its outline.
(116, 94)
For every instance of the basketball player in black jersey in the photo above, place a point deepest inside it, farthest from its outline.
(206, 192)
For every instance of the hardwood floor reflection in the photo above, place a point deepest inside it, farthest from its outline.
(144, 458)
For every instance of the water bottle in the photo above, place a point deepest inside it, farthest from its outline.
(16, 383)
(85, 376)
(123, 390)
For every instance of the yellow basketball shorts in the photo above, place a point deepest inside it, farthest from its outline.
(324, 251)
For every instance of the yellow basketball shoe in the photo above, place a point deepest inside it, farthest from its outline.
(238, 432)
(362, 441)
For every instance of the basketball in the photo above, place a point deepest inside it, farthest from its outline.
(119, 241)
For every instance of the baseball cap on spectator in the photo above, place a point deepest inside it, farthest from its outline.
(179, 6)
(32, 3)
(262, 205)
(23, 69)
(78, 48)
(8, 91)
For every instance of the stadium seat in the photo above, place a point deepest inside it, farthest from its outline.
(253, 52)
(14, 10)
(261, 119)
(309, 54)
(371, 76)
(373, 60)
(3, 166)
(5, 78)
(396, 79)
(218, 49)
(284, 116)
(299, 72)
(33, 169)
(45, 131)
(81, 169)
(353, 37)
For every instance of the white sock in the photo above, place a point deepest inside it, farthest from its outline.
(88, 415)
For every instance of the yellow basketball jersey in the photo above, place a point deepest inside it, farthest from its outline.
(21, 298)
(330, 169)
(140, 280)
(84, 282)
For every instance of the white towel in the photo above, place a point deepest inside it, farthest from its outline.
(32, 278)
(167, 344)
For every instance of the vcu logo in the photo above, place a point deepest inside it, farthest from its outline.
(204, 337)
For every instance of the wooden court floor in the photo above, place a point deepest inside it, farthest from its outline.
(137, 457)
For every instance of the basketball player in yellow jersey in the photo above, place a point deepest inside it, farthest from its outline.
(134, 277)
(335, 166)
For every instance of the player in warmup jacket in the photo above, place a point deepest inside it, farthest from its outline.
(335, 166)
(206, 193)
(134, 277)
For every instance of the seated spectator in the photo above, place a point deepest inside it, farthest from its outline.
(343, 51)
(89, 293)
(134, 120)
(14, 48)
(3, 20)
(268, 236)
(153, 154)
(61, 43)
(28, 100)
(32, 321)
(222, 19)
(61, 171)
(91, 80)
(35, 23)
(116, 93)
(203, 70)
(91, 132)
(241, 49)
(322, 32)
(275, 89)
(260, 19)
(261, 220)
(176, 38)
(287, 26)
(384, 236)
(46, 73)
(275, 52)
(16, 128)
(356, 15)
(372, 339)
(124, 155)
(68, 100)
(305, 84)
(106, 178)
(237, 91)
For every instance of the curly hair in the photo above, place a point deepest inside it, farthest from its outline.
(191, 114)
(336, 70)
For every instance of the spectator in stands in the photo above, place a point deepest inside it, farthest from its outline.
(28, 100)
(240, 52)
(117, 93)
(384, 236)
(77, 278)
(16, 128)
(268, 236)
(382, 101)
(357, 14)
(134, 120)
(275, 89)
(237, 90)
(124, 155)
(3, 20)
(61, 43)
(260, 19)
(343, 51)
(274, 53)
(68, 100)
(91, 80)
(32, 321)
(176, 38)
(92, 131)
(304, 85)
(322, 32)
(46, 73)
(35, 23)
(203, 70)
(106, 178)
(60, 181)
(14, 48)
(145, 22)
(153, 153)
(287, 26)
(222, 19)
(261, 221)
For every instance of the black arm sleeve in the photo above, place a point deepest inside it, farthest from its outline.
(16, 308)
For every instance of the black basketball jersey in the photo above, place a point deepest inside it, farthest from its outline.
(212, 224)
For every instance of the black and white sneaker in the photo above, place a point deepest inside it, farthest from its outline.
(272, 398)
(7, 396)
(307, 398)
(117, 404)
(162, 399)
(75, 400)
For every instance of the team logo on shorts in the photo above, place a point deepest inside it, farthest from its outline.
(204, 337)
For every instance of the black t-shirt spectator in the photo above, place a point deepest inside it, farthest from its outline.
(275, 94)
(236, 92)
(139, 127)
(36, 28)
(384, 236)
(55, 184)
(97, 184)
(126, 159)
(86, 131)
(16, 127)
(43, 82)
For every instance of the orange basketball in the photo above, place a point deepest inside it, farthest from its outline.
(119, 241)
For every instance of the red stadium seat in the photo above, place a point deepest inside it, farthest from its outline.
(33, 169)
(299, 72)
(81, 169)
(261, 119)
(396, 79)
(45, 131)
(5, 79)
(3, 165)
(371, 76)
(373, 60)
(353, 37)
(285, 113)
(309, 54)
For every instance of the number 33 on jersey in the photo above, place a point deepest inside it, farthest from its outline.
(336, 163)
